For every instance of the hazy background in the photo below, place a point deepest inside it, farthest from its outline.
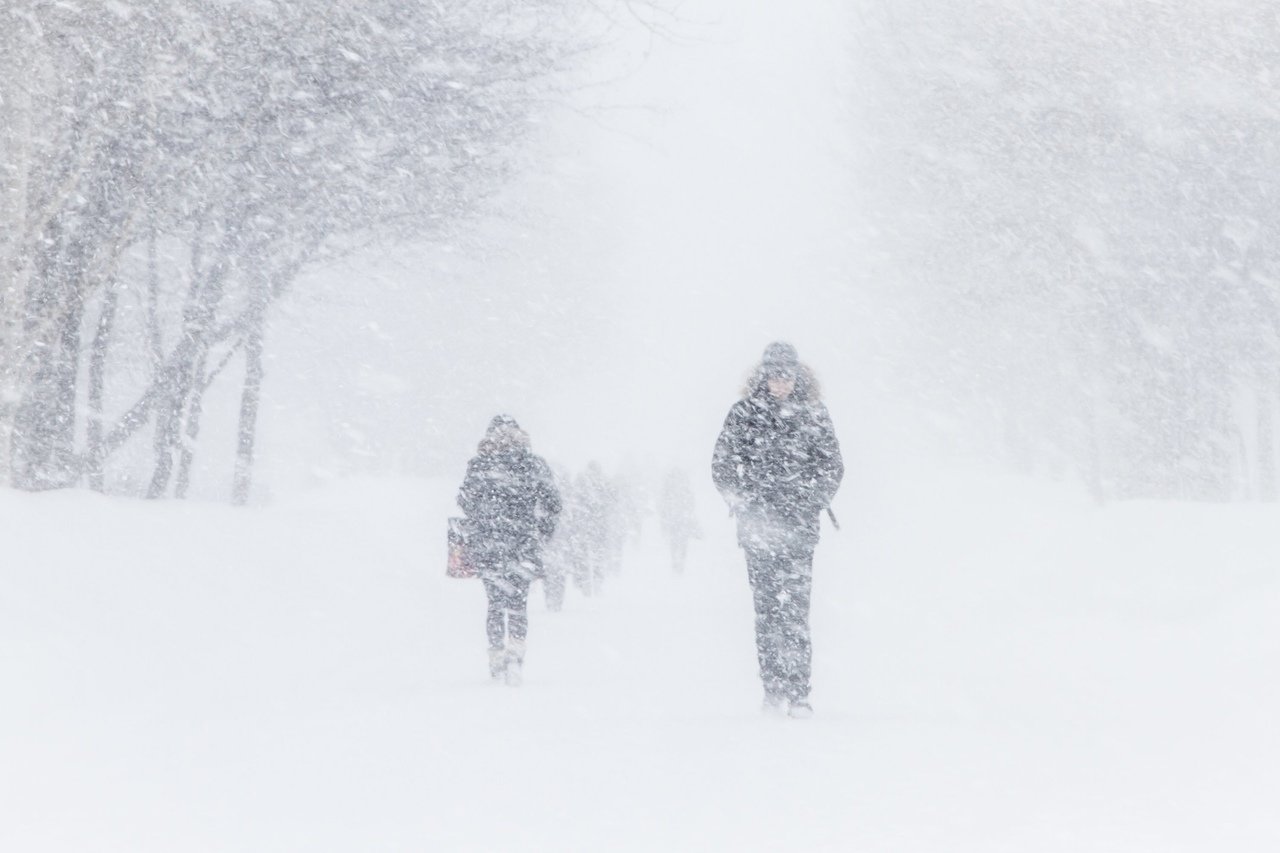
(695, 207)
(1022, 244)
(1040, 237)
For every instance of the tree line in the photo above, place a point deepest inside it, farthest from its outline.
(1077, 201)
(170, 168)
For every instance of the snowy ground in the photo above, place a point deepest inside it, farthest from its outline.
(998, 668)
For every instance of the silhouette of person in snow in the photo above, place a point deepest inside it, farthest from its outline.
(777, 464)
(676, 516)
(511, 504)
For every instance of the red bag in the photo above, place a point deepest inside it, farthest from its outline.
(460, 565)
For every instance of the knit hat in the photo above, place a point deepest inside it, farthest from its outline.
(780, 357)
(502, 422)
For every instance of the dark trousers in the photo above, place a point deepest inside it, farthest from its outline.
(781, 582)
(508, 607)
(507, 569)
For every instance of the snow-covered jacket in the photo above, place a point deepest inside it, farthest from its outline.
(509, 495)
(777, 464)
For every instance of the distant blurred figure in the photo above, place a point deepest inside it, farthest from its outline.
(557, 552)
(631, 506)
(511, 505)
(778, 465)
(623, 521)
(594, 529)
(676, 516)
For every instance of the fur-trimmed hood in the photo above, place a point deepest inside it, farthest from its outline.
(807, 388)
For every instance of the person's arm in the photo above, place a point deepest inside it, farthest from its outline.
(726, 460)
(467, 492)
(549, 503)
(829, 463)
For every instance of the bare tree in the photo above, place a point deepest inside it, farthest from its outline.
(255, 140)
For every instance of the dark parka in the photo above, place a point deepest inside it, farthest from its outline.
(778, 465)
(510, 499)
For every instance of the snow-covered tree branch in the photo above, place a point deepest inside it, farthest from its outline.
(230, 145)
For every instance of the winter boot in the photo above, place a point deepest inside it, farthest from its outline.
(497, 663)
(515, 663)
(800, 710)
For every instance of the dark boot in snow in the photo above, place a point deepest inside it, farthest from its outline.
(497, 663)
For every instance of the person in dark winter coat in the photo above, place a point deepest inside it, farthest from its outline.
(511, 505)
(778, 465)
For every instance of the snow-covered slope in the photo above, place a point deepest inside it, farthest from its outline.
(998, 667)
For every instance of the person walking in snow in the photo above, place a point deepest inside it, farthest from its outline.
(557, 550)
(511, 505)
(676, 516)
(594, 527)
(777, 464)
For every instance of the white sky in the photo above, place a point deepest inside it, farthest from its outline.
(696, 209)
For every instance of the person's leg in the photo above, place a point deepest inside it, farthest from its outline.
(516, 589)
(495, 625)
(517, 603)
(795, 646)
(762, 571)
(496, 619)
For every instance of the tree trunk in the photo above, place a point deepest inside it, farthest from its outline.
(155, 345)
(97, 371)
(179, 379)
(168, 436)
(16, 86)
(186, 452)
(44, 438)
(249, 401)
(1266, 439)
(1092, 462)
